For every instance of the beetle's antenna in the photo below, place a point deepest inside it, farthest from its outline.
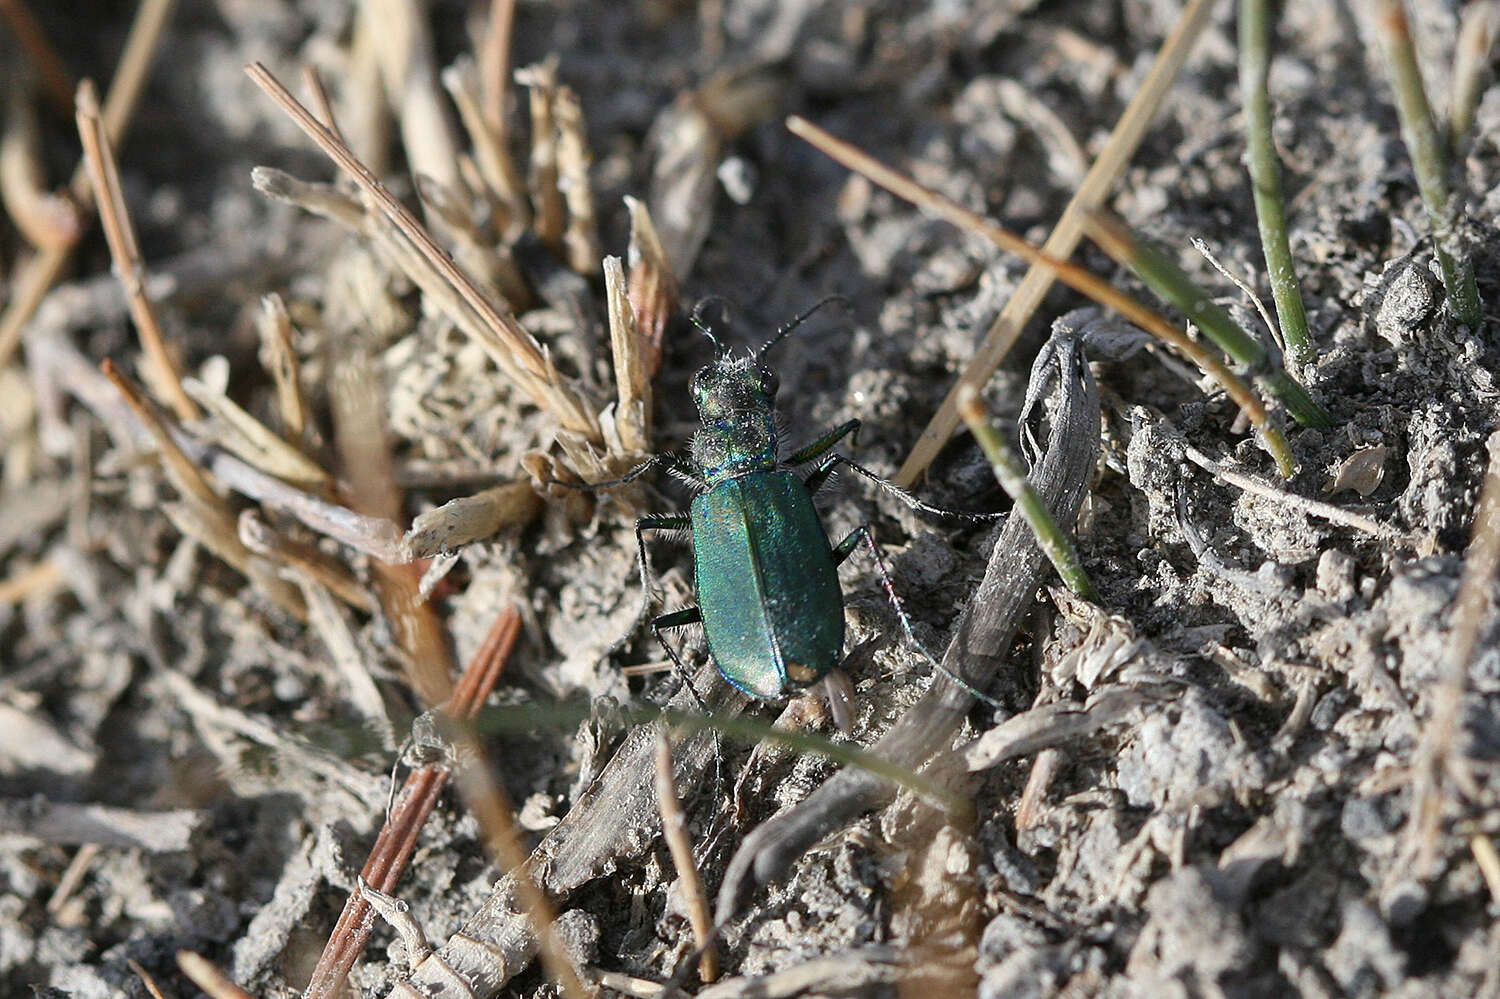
(706, 326)
(789, 326)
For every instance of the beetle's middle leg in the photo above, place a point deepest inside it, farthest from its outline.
(674, 619)
(846, 547)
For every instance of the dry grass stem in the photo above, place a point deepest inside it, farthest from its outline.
(471, 518)
(547, 204)
(72, 877)
(1317, 508)
(496, 164)
(476, 252)
(508, 344)
(653, 286)
(1071, 274)
(42, 578)
(203, 514)
(207, 976)
(1440, 757)
(1488, 860)
(375, 536)
(397, 838)
(51, 72)
(494, 67)
(1478, 23)
(125, 251)
(1034, 796)
(674, 829)
(313, 80)
(147, 981)
(581, 240)
(403, 46)
(1123, 141)
(364, 452)
(278, 355)
(325, 200)
(30, 286)
(308, 561)
(632, 374)
(46, 220)
(244, 435)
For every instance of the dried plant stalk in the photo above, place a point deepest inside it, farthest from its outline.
(1123, 141)
(279, 357)
(674, 829)
(397, 838)
(28, 289)
(581, 240)
(547, 204)
(403, 46)
(126, 252)
(44, 219)
(496, 164)
(471, 518)
(508, 344)
(253, 441)
(305, 560)
(632, 375)
(44, 61)
(653, 286)
(207, 976)
(1071, 274)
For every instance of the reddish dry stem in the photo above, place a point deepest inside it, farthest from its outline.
(51, 71)
(398, 837)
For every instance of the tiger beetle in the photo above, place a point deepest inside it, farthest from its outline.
(767, 579)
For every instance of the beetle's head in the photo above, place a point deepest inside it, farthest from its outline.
(734, 385)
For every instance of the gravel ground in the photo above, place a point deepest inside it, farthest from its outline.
(191, 760)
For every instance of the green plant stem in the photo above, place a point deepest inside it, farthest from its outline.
(1052, 539)
(1265, 179)
(1429, 157)
(561, 714)
(1172, 283)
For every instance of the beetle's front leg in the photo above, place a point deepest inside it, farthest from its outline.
(834, 460)
(824, 444)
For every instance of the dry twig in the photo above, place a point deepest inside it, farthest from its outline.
(1123, 142)
(674, 828)
(42, 271)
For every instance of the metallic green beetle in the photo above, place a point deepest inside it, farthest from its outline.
(769, 597)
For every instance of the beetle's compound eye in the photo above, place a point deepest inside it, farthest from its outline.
(770, 382)
(696, 385)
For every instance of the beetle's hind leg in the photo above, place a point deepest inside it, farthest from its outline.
(845, 548)
(679, 619)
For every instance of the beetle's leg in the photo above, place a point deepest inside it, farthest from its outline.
(845, 548)
(908, 498)
(679, 619)
(824, 444)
